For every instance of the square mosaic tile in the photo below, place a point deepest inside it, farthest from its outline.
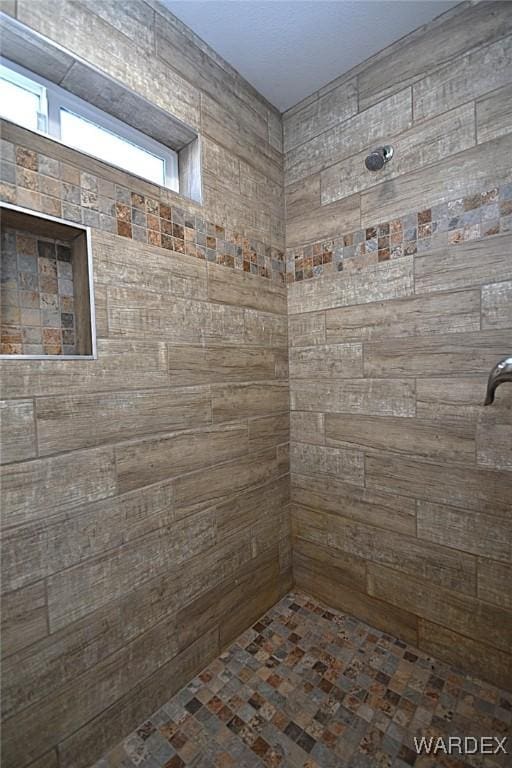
(309, 687)
(448, 224)
(33, 180)
(37, 302)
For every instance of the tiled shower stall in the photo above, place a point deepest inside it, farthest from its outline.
(266, 520)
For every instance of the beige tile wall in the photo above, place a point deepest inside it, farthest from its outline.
(145, 494)
(144, 498)
(440, 96)
(151, 52)
(401, 479)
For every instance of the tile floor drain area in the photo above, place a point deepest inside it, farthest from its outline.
(310, 687)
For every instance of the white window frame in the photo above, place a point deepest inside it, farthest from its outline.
(53, 98)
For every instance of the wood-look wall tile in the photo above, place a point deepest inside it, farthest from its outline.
(307, 428)
(461, 613)
(17, 430)
(245, 290)
(136, 23)
(475, 658)
(494, 115)
(90, 742)
(421, 146)
(122, 364)
(212, 485)
(394, 620)
(47, 723)
(342, 570)
(35, 489)
(237, 516)
(269, 431)
(148, 461)
(425, 50)
(494, 433)
(201, 66)
(263, 590)
(497, 305)
(332, 361)
(151, 78)
(463, 79)
(121, 262)
(66, 423)
(265, 329)
(482, 534)
(147, 315)
(328, 110)
(309, 524)
(39, 671)
(423, 438)
(38, 549)
(226, 125)
(324, 221)
(481, 490)
(432, 563)
(80, 590)
(476, 169)
(494, 583)
(389, 280)
(450, 398)
(328, 494)
(350, 137)
(49, 760)
(305, 330)
(441, 355)
(196, 364)
(469, 265)
(240, 401)
(24, 618)
(302, 197)
(413, 316)
(223, 165)
(373, 397)
(347, 465)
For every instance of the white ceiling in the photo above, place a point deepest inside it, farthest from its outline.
(289, 48)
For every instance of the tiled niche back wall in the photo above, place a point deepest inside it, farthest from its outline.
(37, 301)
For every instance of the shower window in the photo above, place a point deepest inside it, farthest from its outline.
(39, 105)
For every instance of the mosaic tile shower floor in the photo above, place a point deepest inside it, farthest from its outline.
(309, 687)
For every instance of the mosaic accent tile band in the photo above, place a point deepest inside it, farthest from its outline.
(33, 180)
(308, 687)
(468, 218)
(37, 308)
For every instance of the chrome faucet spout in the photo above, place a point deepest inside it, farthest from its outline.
(501, 372)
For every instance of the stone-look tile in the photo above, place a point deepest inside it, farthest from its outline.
(310, 686)
(37, 295)
(98, 203)
(321, 242)
(330, 228)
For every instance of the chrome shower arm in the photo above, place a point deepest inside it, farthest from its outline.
(501, 372)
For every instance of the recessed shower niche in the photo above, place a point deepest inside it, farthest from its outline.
(46, 307)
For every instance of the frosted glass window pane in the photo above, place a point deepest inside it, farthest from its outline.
(77, 132)
(18, 105)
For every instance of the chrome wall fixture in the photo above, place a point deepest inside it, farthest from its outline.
(501, 372)
(378, 158)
